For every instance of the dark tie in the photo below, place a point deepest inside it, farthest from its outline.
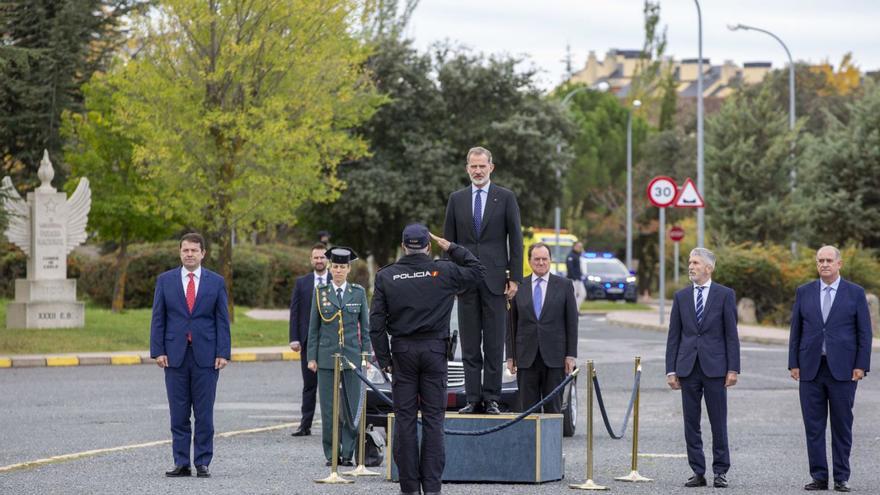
(339, 295)
(478, 211)
(537, 297)
(320, 280)
(700, 305)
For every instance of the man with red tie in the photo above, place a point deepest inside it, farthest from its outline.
(190, 339)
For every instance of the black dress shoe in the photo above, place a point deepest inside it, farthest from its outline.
(301, 432)
(492, 407)
(178, 471)
(202, 472)
(696, 480)
(841, 486)
(816, 485)
(410, 493)
(720, 481)
(470, 408)
(346, 462)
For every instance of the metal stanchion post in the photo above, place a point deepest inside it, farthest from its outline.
(634, 475)
(361, 469)
(589, 484)
(334, 461)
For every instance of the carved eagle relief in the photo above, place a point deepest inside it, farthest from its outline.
(18, 229)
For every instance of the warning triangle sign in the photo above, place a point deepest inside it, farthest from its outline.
(688, 197)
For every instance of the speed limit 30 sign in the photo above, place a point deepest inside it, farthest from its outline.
(662, 191)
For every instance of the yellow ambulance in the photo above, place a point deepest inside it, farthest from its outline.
(558, 251)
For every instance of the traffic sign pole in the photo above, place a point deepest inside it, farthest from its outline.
(662, 234)
(675, 256)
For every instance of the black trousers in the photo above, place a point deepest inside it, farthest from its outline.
(693, 388)
(419, 384)
(482, 317)
(536, 382)
(310, 390)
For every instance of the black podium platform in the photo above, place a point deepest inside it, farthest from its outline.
(528, 452)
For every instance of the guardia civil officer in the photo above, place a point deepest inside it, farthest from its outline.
(412, 301)
(337, 300)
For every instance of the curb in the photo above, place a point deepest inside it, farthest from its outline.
(130, 359)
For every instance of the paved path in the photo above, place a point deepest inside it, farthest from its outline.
(61, 411)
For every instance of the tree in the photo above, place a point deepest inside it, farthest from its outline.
(128, 207)
(840, 197)
(441, 105)
(748, 148)
(595, 183)
(48, 49)
(243, 109)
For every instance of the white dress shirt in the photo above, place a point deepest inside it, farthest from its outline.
(184, 274)
(337, 287)
(484, 199)
(706, 288)
(834, 286)
(326, 276)
(546, 281)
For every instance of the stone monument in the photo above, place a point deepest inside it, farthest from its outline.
(46, 227)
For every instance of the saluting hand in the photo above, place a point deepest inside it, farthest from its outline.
(443, 243)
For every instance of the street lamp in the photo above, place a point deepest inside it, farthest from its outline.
(601, 87)
(701, 214)
(791, 93)
(629, 185)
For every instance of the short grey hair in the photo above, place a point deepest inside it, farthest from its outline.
(705, 254)
(837, 255)
(479, 150)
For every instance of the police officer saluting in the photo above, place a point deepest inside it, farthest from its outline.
(412, 301)
(335, 301)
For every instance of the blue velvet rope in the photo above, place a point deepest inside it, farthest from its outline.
(486, 431)
(636, 382)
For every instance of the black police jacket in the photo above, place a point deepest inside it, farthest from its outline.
(413, 297)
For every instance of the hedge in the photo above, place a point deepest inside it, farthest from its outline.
(264, 275)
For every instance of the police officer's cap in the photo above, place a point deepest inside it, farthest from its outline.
(340, 255)
(415, 236)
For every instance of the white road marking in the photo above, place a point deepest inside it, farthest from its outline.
(670, 456)
(91, 453)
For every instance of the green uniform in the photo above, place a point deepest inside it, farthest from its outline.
(324, 342)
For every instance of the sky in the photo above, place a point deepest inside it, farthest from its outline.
(814, 30)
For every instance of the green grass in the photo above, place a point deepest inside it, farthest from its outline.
(126, 331)
(613, 306)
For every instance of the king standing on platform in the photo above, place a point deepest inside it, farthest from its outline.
(340, 322)
(412, 302)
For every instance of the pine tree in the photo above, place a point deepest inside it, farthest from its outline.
(48, 49)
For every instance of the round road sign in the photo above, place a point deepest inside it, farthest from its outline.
(676, 233)
(662, 191)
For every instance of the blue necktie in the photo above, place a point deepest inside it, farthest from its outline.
(700, 305)
(478, 211)
(826, 308)
(537, 297)
(339, 296)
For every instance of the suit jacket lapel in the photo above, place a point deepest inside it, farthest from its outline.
(816, 288)
(333, 299)
(527, 297)
(491, 200)
(180, 291)
(690, 307)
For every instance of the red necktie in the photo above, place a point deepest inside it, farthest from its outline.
(190, 299)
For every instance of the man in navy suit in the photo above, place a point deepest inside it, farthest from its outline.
(300, 310)
(829, 351)
(189, 338)
(484, 219)
(702, 360)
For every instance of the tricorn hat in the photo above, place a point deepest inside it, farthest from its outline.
(340, 255)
